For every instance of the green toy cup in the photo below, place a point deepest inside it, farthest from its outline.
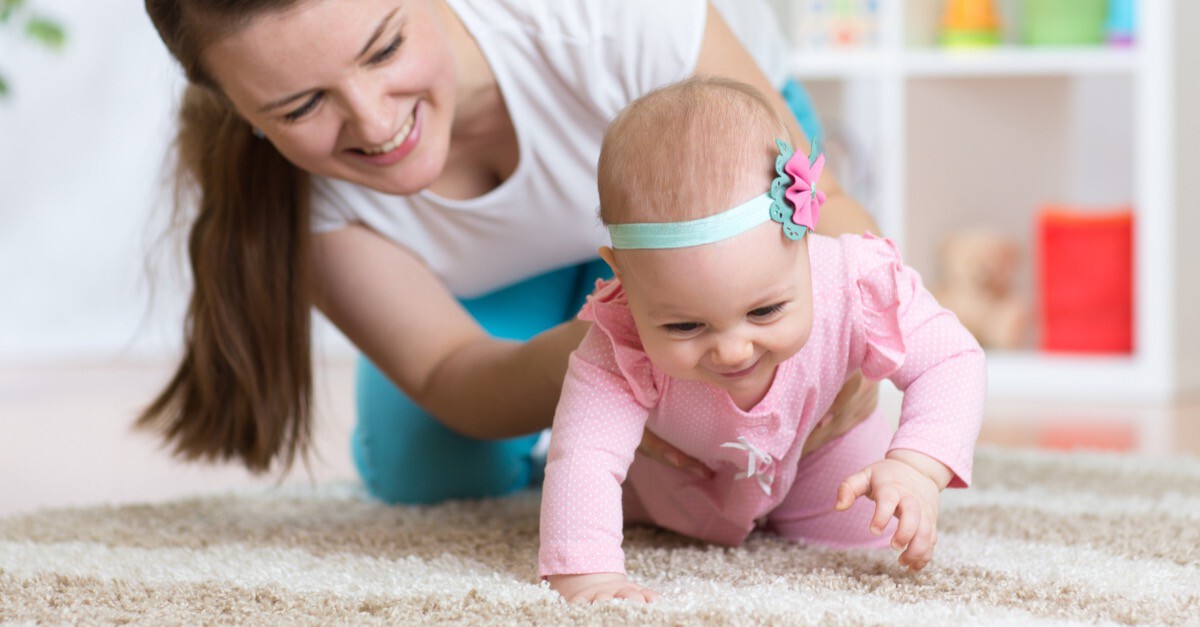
(1063, 22)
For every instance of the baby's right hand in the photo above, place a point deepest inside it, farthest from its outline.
(593, 587)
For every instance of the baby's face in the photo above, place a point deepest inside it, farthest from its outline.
(725, 313)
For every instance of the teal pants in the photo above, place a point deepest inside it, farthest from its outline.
(404, 455)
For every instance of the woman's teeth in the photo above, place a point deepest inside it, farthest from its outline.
(395, 141)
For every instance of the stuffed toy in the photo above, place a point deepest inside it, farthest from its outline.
(977, 270)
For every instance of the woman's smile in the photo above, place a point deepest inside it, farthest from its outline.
(397, 148)
(377, 83)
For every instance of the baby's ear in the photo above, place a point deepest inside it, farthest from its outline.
(606, 253)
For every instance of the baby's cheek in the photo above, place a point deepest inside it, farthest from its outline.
(791, 342)
(673, 360)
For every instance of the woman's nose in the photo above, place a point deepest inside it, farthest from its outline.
(372, 114)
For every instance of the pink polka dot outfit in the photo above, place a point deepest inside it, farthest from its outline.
(870, 312)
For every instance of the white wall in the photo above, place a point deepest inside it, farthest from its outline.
(82, 143)
(82, 147)
(1187, 197)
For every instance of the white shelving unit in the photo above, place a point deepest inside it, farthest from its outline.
(964, 138)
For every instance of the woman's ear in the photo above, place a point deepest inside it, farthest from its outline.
(606, 253)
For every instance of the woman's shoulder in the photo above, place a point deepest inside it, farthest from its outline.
(578, 19)
(607, 52)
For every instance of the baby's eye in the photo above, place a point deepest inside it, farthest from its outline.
(683, 328)
(766, 312)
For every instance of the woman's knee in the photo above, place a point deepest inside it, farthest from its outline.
(404, 455)
(407, 456)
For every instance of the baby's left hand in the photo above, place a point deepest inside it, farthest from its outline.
(906, 484)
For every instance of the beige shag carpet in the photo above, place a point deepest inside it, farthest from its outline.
(1041, 539)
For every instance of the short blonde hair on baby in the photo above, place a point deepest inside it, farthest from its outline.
(688, 150)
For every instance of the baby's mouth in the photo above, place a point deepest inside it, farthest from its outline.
(737, 374)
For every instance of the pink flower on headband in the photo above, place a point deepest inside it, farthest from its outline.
(803, 194)
(795, 199)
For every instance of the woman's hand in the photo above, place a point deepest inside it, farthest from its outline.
(660, 450)
(853, 404)
(593, 587)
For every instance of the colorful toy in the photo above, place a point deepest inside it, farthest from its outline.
(1122, 22)
(978, 269)
(1086, 280)
(1064, 22)
(835, 23)
(970, 24)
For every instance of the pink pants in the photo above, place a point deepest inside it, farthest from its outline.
(807, 514)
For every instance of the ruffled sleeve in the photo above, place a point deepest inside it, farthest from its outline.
(886, 290)
(923, 349)
(608, 309)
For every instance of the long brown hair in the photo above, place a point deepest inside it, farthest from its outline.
(243, 389)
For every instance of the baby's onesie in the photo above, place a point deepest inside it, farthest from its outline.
(870, 312)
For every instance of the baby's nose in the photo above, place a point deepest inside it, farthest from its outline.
(733, 351)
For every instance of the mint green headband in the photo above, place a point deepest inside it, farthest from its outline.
(793, 202)
(714, 228)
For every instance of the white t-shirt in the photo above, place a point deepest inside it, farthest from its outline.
(565, 68)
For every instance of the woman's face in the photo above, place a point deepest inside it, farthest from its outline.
(362, 91)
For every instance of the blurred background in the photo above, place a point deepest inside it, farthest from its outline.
(1033, 158)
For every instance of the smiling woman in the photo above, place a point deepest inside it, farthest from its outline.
(348, 115)
(426, 176)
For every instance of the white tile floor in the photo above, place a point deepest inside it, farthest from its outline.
(65, 436)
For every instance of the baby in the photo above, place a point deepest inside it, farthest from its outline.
(728, 331)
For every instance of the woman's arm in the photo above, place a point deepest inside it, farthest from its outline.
(721, 54)
(406, 322)
(401, 317)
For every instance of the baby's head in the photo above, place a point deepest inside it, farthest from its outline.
(712, 302)
(688, 150)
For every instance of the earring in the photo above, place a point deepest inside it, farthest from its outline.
(258, 132)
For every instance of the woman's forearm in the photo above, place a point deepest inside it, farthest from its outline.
(493, 388)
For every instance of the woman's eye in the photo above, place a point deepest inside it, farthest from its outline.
(682, 328)
(308, 106)
(387, 53)
(766, 312)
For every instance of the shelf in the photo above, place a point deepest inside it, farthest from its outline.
(1050, 377)
(1020, 61)
(837, 64)
(1094, 125)
(933, 62)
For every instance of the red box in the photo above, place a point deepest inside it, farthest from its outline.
(1086, 280)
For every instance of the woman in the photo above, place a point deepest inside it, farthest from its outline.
(423, 171)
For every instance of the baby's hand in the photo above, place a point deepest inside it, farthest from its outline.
(905, 484)
(594, 587)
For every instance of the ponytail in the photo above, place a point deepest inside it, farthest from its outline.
(244, 387)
